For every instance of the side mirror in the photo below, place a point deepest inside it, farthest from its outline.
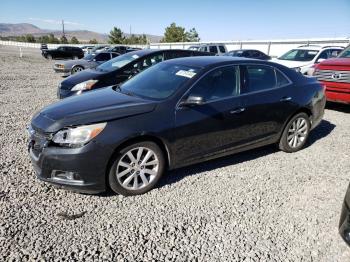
(192, 101)
(320, 60)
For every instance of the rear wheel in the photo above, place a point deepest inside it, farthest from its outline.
(295, 133)
(49, 57)
(136, 169)
(76, 69)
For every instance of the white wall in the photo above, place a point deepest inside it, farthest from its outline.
(271, 47)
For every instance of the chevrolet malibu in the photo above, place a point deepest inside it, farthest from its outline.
(175, 113)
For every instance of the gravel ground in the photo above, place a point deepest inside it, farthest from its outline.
(261, 205)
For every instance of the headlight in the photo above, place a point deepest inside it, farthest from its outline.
(87, 85)
(298, 69)
(78, 136)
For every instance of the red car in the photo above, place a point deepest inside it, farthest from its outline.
(335, 75)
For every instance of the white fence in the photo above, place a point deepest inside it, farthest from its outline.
(271, 47)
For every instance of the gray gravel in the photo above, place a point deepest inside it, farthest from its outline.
(262, 205)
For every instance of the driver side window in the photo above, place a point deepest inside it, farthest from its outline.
(217, 84)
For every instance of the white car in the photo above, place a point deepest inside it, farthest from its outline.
(305, 57)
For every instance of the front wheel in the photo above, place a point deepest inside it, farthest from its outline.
(76, 69)
(295, 133)
(136, 169)
(49, 57)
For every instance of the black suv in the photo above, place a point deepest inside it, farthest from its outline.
(118, 70)
(64, 52)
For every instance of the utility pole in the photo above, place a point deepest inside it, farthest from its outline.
(63, 27)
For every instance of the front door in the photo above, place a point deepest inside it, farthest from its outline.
(214, 126)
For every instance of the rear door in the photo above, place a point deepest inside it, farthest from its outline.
(267, 100)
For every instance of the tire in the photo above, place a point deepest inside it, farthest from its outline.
(295, 133)
(49, 57)
(124, 169)
(75, 57)
(76, 69)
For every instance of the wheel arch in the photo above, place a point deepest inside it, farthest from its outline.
(300, 110)
(142, 138)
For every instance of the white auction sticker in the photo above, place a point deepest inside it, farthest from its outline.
(135, 56)
(184, 73)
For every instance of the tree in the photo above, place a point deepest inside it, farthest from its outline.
(135, 40)
(93, 41)
(192, 35)
(116, 36)
(174, 33)
(53, 40)
(29, 38)
(74, 40)
(43, 39)
(64, 40)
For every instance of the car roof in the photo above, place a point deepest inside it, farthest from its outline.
(204, 61)
(317, 47)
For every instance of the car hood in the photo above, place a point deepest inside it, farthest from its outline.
(82, 76)
(336, 62)
(98, 106)
(291, 64)
(70, 63)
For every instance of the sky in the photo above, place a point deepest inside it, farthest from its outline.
(214, 20)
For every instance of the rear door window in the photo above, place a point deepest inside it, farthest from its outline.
(222, 49)
(103, 57)
(213, 49)
(258, 78)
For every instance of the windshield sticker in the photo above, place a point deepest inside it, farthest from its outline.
(135, 56)
(184, 73)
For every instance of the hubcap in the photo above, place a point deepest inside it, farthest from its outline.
(77, 69)
(137, 168)
(297, 132)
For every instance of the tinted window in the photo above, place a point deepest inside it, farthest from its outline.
(222, 49)
(203, 49)
(177, 54)
(258, 78)
(334, 53)
(103, 57)
(213, 49)
(159, 81)
(281, 79)
(345, 53)
(115, 55)
(219, 83)
(323, 55)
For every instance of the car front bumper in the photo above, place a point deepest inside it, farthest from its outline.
(87, 166)
(63, 71)
(344, 222)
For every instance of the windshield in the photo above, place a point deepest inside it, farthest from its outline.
(89, 57)
(117, 62)
(345, 53)
(159, 81)
(299, 55)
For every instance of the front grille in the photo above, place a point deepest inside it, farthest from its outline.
(338, 76)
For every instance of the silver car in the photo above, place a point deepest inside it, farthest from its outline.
(70, 67)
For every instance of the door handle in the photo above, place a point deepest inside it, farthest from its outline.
(237, 111)
(285, 99)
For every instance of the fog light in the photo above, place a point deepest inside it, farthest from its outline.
(66, 176)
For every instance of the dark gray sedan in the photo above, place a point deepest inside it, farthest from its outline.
(70, 67)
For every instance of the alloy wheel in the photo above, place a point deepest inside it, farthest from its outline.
(137, 168)
(76, 69)
(297, 132)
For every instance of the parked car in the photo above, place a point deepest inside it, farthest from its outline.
(218, 49)
(344, 222)
(304, 57)
(63, 52)
(335, 75)
(87, 48)
(118, 70)
(173, 114)
(248, 53)
(71, 67)
(43, 47)
(121, 49)
(100, 48)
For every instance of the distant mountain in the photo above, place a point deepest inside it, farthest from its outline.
(82, 35)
